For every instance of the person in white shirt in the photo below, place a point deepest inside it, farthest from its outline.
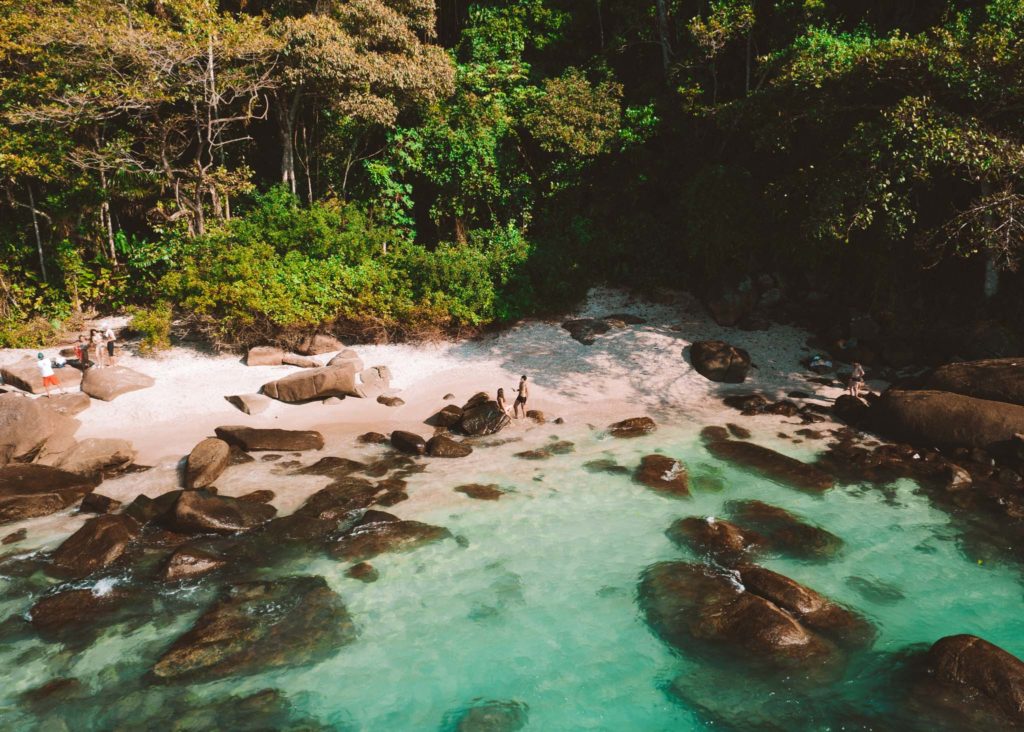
(111, 339)
(46, 371)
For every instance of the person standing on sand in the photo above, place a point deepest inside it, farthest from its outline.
(97, 346)
(111, 339)
(520, 402)
(856, 380)
(502, 404)
(46, 371)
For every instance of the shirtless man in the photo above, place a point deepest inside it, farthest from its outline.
(520, 402)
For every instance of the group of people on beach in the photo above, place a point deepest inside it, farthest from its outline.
(99, 345)
(522, 394)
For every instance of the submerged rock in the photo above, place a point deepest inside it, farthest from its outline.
(985, 679)
(372, 438)
(258, 626)
(605, 465)
(111, 382)
(492, 716)
(724, 540)
(663, 474)
(72, 610)
(187, 562)
(784, 531)
(773, 465)
(28, 491)
(368, 540)
(690, 607)
(251, 439)
(97, 544)
(632, 427)
(206, 462)
(481, 492)
(364, 572)
(720, 361)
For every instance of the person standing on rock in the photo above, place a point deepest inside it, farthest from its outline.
(46, 371)
(524, 394)
(856, 381)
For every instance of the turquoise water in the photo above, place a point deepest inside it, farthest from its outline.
(537, 603)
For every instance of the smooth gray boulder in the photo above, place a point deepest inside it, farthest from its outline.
(110, 382)
(249, 403)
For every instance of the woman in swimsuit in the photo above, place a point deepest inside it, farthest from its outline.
(502, 404)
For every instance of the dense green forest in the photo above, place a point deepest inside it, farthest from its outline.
(396, 168)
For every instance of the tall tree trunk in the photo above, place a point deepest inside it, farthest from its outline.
(666, 48)
(990, 285)
(106, 220)
(39, 238)
(287, 114)
(750, 44)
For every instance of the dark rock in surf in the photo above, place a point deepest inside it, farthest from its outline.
(440, 446)
(371, 539)
(71, 611)
(480, 492)
(95, 503)
(944, 419)
(408, 442)
(372, 438)
(364, 572)
(785, 532)
(724, 540)
(259, 626)
(449, 416)
(632, 427)
(189, 562)
(663, 474)
(97, 544)
(720, 361)
(200, 512)
(492, 716)
(482, 417)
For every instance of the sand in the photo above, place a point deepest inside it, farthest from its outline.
(631, 371)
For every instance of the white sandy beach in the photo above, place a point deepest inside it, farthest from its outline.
(631, 371)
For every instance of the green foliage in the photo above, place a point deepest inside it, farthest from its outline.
(153, 324)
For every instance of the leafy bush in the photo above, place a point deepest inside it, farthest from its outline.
(283, 268)
(154, 325)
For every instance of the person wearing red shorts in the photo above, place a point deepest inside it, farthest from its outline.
(46, 371)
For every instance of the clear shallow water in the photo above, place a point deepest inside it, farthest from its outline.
(537, 602)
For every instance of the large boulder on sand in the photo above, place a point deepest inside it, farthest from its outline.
(98, 543)
(26, 424)
(719, 361)
(264, 356)
(93, 456)
(258, 626)
(998, 379)
(249, 403)
(112, 381)
(982, 676)
(206, 462)
(201, 512)
(24, 374)
(347, 357)
(944, 419)
(482, 416)
(28, 491)
(312, 384)
(251, 439)
(319, 343)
